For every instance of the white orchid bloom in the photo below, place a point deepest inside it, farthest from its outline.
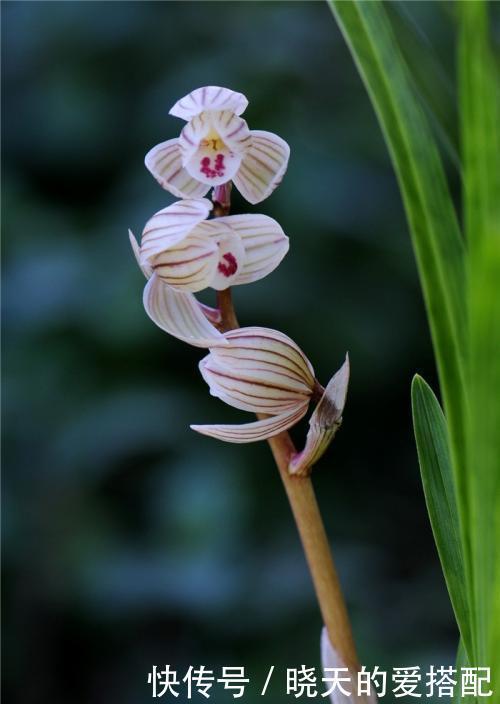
(264, 371)
(215, 147)
(261, 371)
(182, 253)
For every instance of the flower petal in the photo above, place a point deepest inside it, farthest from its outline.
(257, 430)
(164, 161)
(262, 167)
(171, 225)
(212, 314)
(254, 388)
(324, 422)
(233, 130)
(192, 134)
(179, 314)
(253, 349)
(145, 268)
(209, 98)
(190, 265)
(265, 245)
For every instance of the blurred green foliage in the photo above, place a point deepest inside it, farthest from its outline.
(128, 540)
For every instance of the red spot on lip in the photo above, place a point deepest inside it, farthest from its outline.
(231, 267)
(218, 168)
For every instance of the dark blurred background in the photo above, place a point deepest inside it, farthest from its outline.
(129, 541)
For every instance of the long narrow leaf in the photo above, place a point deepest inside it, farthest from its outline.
(479, 93)
(438, 95)
(437, 478)
(433, 224)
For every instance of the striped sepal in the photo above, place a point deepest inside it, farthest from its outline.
(209, 98)
(170, 226)
(252, 432)
(265, 245)
(259, 370)
(263, 348)
(179, 314)
(189, 265)
(255, 389)
(262, 167)
(164, 161)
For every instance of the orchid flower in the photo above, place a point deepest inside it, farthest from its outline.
(182, 253)
(264, 371)
(216, 146)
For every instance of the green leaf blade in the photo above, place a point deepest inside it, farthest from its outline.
(480, 132)
(436, 236)
(437, 478)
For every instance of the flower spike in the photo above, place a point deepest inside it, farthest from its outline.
(216, 146)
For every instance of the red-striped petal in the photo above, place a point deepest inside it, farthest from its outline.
(209, 98)
(257, 430)
(264, 348)
(262, 166)
(190, 265)
(170, 226)
(258, 370)
(232, 130)
(265, 245)
(179, 314)
(252, 385)
(164, 161)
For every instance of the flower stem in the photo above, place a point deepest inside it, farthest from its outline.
(319, 557)
(229, 321)
(312, 532)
